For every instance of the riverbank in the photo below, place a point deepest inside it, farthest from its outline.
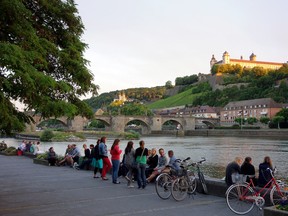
(267, 133)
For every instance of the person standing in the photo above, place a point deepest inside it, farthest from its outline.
(141, 154)
(103, 152)
(129, 158)
(232, 168)
(98, 160)
(115, 158)
(264, 172)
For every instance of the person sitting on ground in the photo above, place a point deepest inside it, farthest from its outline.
(232, 168)
(87, 158)
(28, 146)
(163, 167)
(32, 147)
(74, 159)
(37, 149)
(264, 172)
(22, 146)
(68, 154)
(248, 169)
(52, 157)
(152, 162)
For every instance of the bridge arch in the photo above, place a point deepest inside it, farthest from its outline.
(138, 125)
(172, 124)
(209, 124)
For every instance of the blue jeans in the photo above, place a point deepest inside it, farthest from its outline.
(115, 169)
(141, 177)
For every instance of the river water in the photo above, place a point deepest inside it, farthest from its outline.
(218, 151)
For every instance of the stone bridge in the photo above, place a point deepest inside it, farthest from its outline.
(118, 123)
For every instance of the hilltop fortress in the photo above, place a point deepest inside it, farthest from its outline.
(252, 62)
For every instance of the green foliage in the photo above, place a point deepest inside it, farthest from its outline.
(187, 80)
(41, 61)
(201, 87)
(47, 135)
(284, 113)
(251, 120)
(182, 98)
(132, 135)
(277, 120)
(96, 124)
(52, 123)
(135, 109)
(168, 85)
(264, 120)
(282, 207)
(10, 150)
(43, 156)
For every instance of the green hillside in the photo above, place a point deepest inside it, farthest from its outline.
(180, 99)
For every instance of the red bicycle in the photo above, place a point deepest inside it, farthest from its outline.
(241, 196)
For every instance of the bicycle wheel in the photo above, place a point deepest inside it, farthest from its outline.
(179, 189)
(163, 185)
(239, 198)
(192, 182)
(279, 196)
(203, 183)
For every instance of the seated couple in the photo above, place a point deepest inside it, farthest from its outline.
(163, 165)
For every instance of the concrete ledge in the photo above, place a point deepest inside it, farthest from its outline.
(40, 161)
(8, 154)
(272, 211)
(29, 154)
(215, 187)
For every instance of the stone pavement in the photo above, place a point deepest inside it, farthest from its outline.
(32, 189)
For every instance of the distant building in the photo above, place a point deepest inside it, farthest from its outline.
(252, 62)
(200, 112)
(263, 107)
(121, 97)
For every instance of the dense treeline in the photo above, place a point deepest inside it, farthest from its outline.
(186, 80)
(136, 94)
(259, 83)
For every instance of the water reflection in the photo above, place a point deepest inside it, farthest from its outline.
(218, 151)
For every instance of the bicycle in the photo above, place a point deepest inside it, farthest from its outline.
(164, 181)
(186, 182)
(242, 196)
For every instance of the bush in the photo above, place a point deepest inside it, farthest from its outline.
(47, 135)
(43, 156)
(132, 135)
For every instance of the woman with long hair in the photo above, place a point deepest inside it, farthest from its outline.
(103, 152)
(129, 160)
(264, 172)
(115, 157)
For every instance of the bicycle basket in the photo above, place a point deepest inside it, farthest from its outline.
(238, 178)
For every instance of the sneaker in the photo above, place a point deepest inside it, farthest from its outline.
(130, 186)
(76, 167)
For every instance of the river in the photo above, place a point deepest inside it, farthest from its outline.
(218, 151)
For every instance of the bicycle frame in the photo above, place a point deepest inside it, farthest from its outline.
(256, 193)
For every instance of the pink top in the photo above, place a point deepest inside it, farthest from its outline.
(115, 153)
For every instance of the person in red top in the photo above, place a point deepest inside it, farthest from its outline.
(115, 157)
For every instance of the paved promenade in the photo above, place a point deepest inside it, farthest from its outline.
(32, 189)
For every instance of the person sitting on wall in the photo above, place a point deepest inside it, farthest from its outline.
(52, 157)
(232, 168)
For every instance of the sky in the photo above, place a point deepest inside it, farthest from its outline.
(145, 43)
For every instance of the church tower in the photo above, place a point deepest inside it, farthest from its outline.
(252, 57)
(226, 58)
(212, 61)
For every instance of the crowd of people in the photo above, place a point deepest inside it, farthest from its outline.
(139, 164)
(238, 166)
(30, 146)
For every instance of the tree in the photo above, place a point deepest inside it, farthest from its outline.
(251, 120)
(41, 61)
(264, 120)
(277, 120)
(168, 84)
